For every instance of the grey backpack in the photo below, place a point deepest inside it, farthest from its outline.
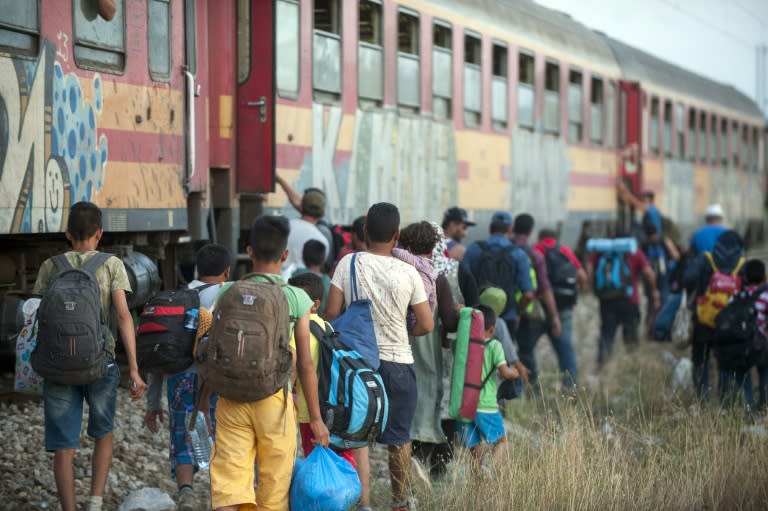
(247, 356)
(72, 331)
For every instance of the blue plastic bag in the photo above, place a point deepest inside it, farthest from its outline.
(324, 482)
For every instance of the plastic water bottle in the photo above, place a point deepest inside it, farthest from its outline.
(192, 318)
(199, 438)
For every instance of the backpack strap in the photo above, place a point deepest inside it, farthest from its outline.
(92, 264)
(203, 287)
(737, 269)
(711, 260)
(318, 331)
(353, 279)
(61, 262)
(490, 373)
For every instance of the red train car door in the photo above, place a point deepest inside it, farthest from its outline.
(255, 97)
(630, 144)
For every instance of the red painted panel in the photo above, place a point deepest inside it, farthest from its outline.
(221, 77)
(255, 110)
(349, 40)
(199, 180)
(425, 46)
(631, 168)
(485, 73)
(389, 13)
(143, 147)
(513, 58)
(458, 77)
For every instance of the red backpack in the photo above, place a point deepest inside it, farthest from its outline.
(722, 286)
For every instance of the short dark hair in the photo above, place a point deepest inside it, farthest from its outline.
(269, 237)
(649, 229)
(547, 233)
(84, 220)
(523, 224)
(754, 271)
(358, 228)
(648, 194)
(313, 253)
(382, 222)
(489, 316)
(419, 238)
(212, 260)
(309, 282)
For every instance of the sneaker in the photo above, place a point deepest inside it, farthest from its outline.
(418, 473)
(188, 502)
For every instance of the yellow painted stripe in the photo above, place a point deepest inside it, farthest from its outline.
(138, 108)
(586, 198)
(293, 125)
(225, 116)
(593, 161)
(142, 185)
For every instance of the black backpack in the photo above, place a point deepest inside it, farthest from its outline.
(495, 267)
(163, 344)
(353, 402)
(738, 341)
(72, 331)
(562, 276)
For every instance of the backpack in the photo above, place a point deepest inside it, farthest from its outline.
(719, 290)
(164, 340)
(495, 267)
(738, 341)
(353, 402)
(562, 276)
(613, 278)
(656, 253)
(247, 356)
(72, 330)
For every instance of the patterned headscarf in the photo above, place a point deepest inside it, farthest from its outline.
(442, 263)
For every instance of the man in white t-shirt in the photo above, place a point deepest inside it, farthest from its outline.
(392, 286)
(304, 229)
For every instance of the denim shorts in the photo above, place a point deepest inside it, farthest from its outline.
(400, 386)
(63, 406)
(486, 426)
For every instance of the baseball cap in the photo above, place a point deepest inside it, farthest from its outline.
(313, 203)
(714, 210)
(501, 219)
(495, 298)
(457, 215)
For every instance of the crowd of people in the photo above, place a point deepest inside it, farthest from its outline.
(416, 279)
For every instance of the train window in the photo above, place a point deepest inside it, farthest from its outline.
(702, 146)
(287, 48)
(408, 65)
(190, 36)
(735, 144)
(526, 90)
(473, 90)
(691, 143)
(575, 106)
(370, 55)
(499, 88)
(745, 146)
(326, 65)
(19, 26)
(654, 127)
(159, 39)
(596, 111)
(610, 118)
(712, 139)
(551, 113)
(755, 149)
(243, 40)
(680, 138)
(724, 142)
(99, 44)
(442, 70)
(668, 128)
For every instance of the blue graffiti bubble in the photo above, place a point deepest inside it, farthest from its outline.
(60, 120)
(103, 150)
(77, 181)
(97, 91)
(91, 119)
(93, 162)
(73, 99)
(72, 144)
(83, 167)
(82, 132)
(55, 145)
(89, 189)
(57, 70)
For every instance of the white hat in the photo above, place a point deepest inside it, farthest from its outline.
(714, 210)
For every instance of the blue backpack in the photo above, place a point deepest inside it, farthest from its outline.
(613, 278)
(353, 402)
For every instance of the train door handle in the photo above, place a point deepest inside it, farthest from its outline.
(261, 104)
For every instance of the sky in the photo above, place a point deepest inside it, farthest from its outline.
(714, 38)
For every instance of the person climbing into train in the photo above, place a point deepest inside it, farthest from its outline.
(455, 224)
(392, 286)
(63, 403)
(646, 204)
(213, 263)
(705, 237)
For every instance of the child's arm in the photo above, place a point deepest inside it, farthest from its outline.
(508, 372)
(308, 378)
(154, 410)
(125, 324)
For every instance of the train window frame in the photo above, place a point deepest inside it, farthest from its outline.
(499, 85)
(89, 54)
(473, 74)
(442, 50)
(714, 140)
(755, 149)
(370, 92)
(288, 86)
(611, 98)
(596, 110)
(735, 139)
(702, 138)
(332, 90)
(526, 61)
(28, 33)
(405, 58)
(552, 69)
(691, 135)
(724, 149)
(745, 147)
(654, 126)
(680, 130)
(576, 98)
(162, 75)
(667, 127)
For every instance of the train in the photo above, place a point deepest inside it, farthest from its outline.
(174, 116)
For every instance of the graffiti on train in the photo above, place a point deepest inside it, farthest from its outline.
(51, 154)
(409, 161)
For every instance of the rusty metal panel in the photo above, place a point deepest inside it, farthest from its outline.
(326, 68)
(442, 81)
(551, 114)
(473, 93)
(408, 80)
(287, 49)
(499, 99)
(370, 71)
(525, 104)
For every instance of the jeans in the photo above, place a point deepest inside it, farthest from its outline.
(731, 382)
(528, 336)
(617, 313)
(762, 386)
